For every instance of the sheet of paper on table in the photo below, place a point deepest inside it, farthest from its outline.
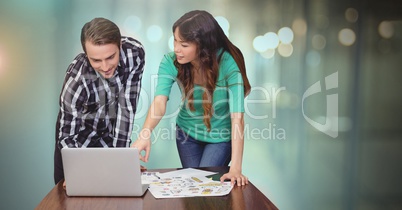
(186, 172)
(184, 183)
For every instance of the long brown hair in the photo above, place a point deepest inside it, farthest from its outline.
(201, 28)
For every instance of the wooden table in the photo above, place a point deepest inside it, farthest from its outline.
(243, 197)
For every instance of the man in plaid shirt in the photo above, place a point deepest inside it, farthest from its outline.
(101, 88)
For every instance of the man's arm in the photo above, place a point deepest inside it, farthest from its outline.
(71, 105)
(69, 118)
(128, 98)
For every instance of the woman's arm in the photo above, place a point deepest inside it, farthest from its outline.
(155, 113)
(237, 141)
(235, 172)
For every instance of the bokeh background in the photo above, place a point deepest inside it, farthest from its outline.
(323, 120)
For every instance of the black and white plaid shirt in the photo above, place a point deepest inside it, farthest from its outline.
(98, 111)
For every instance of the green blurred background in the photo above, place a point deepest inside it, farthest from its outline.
(335, 63)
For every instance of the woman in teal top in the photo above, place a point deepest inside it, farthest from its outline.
(211, 74)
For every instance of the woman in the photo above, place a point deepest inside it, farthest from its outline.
(211, 74)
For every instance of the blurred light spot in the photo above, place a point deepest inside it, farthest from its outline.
(2, 62)
(224, 23)
(313, 58)
(154, 33)
(171, 43)
(269, 53)
(260, 43)
(386, 29)
(299, 26)
(351, 15)
(319, 42)
(285, 35)
(346, 36)
(285, 50)
(272, 39)
(288, 99)
(132, 24)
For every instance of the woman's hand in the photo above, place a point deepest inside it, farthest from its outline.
(155, 114)
(235, 176)
(143, 143)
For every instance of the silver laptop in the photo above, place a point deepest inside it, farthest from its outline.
(102, 172)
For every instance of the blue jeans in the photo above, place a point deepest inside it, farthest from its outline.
(194, 153)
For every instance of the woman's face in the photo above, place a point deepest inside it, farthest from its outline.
(186, 52)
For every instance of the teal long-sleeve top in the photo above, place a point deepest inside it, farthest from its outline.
(228, 97)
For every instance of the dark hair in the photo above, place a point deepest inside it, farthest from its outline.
(100, 31)
(201, 28)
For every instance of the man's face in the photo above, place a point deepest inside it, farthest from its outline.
(103, 58)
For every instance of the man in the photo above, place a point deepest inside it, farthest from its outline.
(100, 92)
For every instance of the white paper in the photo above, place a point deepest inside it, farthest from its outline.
(149, 177)
(187, 172)
(188, 186)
